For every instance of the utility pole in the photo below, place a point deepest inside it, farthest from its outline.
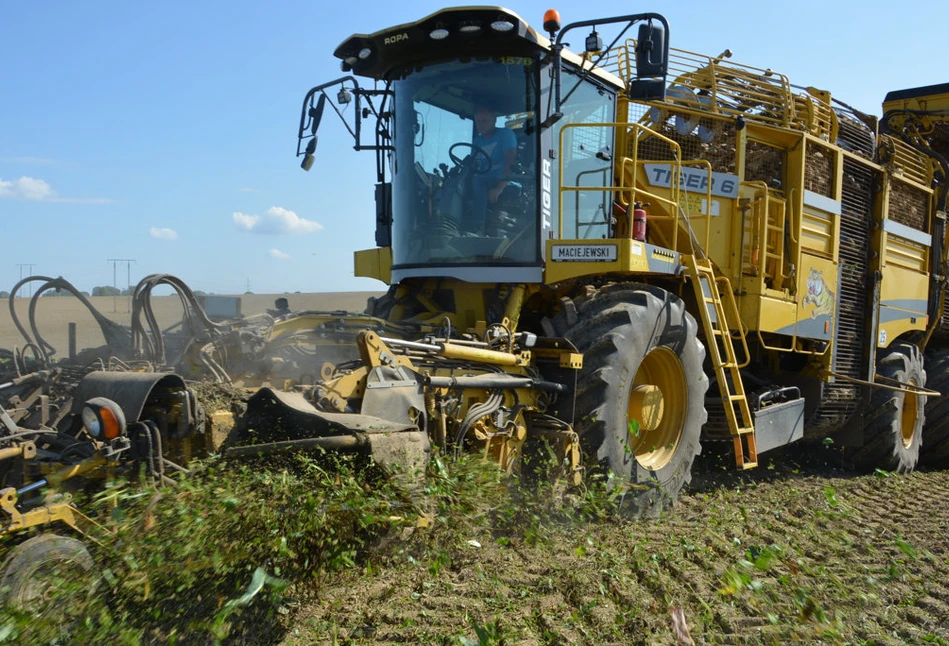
(128, 266)
(29, 273)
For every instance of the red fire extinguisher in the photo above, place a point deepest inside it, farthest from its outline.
(639, 221)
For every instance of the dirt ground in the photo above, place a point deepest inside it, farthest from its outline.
(792, 553)
(800, 550)
(53, 314)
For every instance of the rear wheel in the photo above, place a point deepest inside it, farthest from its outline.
(640, 399)
(37, 567)
(893, 427)
(935, 450)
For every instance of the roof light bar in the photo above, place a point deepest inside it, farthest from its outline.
(502, 25)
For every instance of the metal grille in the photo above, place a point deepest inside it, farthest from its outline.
(718, 148)
(909, 205)
(904, 160)
(819, 170)
(763, 163)
(942, 332)
(840, 399)
(854, 135)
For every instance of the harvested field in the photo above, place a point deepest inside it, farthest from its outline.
(53, 314)
(790, 554)
(800, 550)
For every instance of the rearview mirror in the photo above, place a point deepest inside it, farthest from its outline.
(651, 51)
(316, 115)
(652, 63)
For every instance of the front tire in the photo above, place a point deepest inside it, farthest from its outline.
(641, 393)
(893, 428)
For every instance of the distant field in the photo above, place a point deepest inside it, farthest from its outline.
(53, 314)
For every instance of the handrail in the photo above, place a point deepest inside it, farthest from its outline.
(735, 315)
(675, 168)
(713, 84)
(776, 348)
(626, 168)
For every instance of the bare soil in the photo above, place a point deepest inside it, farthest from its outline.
(53, 314)
(798, 552)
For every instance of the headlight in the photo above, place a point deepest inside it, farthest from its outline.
(103, 418)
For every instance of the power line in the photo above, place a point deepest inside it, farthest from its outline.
(29, 273)
(128, 266)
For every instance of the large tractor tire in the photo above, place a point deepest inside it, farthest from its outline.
(640, 399)
(893, 427)
(32, 567)
(935, 451)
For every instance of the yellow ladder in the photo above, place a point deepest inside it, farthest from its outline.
(719, 337)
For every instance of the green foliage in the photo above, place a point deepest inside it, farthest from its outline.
(105, 290)
(187, 560)
(235, 553)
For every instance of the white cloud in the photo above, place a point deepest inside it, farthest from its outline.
(245, 222)
(279, 255)
(163, 233)
(38, 190)
(248, 189)
(26, 188)
(278, 220)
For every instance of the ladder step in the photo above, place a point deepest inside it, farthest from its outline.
(724, 362)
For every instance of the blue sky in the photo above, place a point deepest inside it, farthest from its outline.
(166, 132)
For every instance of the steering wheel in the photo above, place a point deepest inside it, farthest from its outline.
(476, 153)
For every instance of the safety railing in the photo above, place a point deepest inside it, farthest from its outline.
(671, 207)
(714, 84)
(764, 255)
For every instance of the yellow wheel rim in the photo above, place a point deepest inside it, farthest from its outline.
(655, 420)
(909, 417)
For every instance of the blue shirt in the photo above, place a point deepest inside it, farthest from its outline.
(497, 147)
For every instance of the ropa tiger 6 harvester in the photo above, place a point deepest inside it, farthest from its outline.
(614, 255)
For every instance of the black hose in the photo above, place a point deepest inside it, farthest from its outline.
(151, 346)
(115, 335)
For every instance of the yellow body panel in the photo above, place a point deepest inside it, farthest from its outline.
(628, 256)
(904, 295)
(374, 263)
(818, 290)
(768, 313)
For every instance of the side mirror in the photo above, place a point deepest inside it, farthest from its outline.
(308, 158)
(652, 63)
(651, 52)
(384, 214)
(316, 115)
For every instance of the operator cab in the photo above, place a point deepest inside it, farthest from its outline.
(490, 139)
(445, 169)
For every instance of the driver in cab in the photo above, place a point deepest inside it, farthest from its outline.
(500, 147)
